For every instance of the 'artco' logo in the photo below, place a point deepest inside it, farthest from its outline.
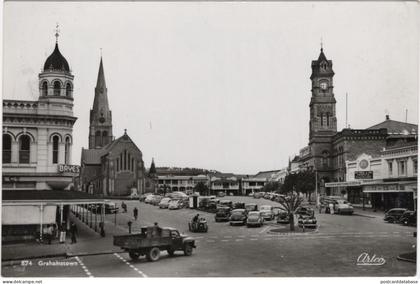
(365, 259)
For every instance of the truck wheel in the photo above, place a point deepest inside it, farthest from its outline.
(153, 254)
(134, 255)
(171, 252)
(188, 250)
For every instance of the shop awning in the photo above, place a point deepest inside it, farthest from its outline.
(343, 184)
(48, 197)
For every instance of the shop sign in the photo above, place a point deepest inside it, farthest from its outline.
(386, 188)
(363, 175)
(69, 169)
(344, 183)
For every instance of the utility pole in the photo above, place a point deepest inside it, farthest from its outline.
(316, 190)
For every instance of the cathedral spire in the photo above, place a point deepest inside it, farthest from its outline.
(100, 130)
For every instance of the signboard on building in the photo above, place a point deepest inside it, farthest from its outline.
(69, 169)
(344, 183)
(363, 174)
(386, 188)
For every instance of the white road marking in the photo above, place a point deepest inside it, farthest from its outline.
(238, 240)
(254, 239)
(210, 241)
(265, 229)
(130, 265)
(227, 237)
(225, 240)
(83, 266)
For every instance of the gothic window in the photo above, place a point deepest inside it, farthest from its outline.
(55, 149)
(98, 138)
(415, 167)
(118, 164)
(402, 168)
(7, 148)
(67, 151)
(128, 162)
(45, 89)
(24, 149)
(328, 119)
(121, 162)
(68, 90)
(125, 160)
(322, 119)
(390, 168)
(57, 88)
(105, 137)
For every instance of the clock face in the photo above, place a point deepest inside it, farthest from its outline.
(324, 85)
(363, 164)
(102, 119)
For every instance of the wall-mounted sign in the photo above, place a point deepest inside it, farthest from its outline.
(363, 175)
(363, 164)
(69, 169)
(387, 188)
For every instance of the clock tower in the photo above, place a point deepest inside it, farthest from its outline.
(100, 129)
(323, 121)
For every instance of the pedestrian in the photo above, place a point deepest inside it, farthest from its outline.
(331, 206)
(73, 232)
(135, 213)
(62, 233)
(129, 226)
(320, 208)
(124, 207)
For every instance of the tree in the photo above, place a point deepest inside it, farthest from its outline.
(201, 188)
(303, 181)
(290, 203)
(272, 186)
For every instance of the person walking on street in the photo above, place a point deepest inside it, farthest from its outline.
(73, 231)
(331, 206)
(49, 234)
(62, 233)
(135, 213)
(124, 207)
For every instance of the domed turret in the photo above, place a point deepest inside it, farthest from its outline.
(56, 61)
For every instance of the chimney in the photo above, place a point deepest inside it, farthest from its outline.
(387, 117)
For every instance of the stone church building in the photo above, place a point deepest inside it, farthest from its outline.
(109, 167)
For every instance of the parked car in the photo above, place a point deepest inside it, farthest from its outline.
(221, 194)
(394, 215)
(255, 218)
(309, 221)
(222, 214)
(149, 198)
(110, 208)
(156, 199)
(200, 226)
(259, 194)
(342, 206)
(276, 211)
(143, 196)
(164, 203)
(175, 204)
(251, 207)
(226, 203)
(409, 218)
(303, 210)
(283, 217)
(239, 205)
(267, 214)
(238, 217)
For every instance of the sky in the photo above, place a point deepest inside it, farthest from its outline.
(219, 85)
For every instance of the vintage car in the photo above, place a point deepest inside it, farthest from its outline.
(409, 218)
(342, 206)
(149, 198)
(152, 240)
(110, 208)
(394, 215)
(251, 207)
(226, 203)
(221, 194)
(255, 219)
(259, 194)
(276, 210)
(304, 210)
(307, 221)
(175, 204)
(283, 217)
(267, 212)
(222, 214)
(156, 200)
(239, 205)
(238, 217)
(164, 203)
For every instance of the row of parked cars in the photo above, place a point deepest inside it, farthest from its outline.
(171, 201)
(401, 216)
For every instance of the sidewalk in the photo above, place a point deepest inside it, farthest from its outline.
(88, 242)
(368, 212)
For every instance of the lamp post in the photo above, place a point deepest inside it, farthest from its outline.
(316, 190)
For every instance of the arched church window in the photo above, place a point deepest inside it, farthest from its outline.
(98, 138)
(55, 139)
(24, 149)
(57, 88)
(45, 89)
(7, 148)
(67, 151)
(328, 119)
(68, 90)
(105, 137)
(322, 119)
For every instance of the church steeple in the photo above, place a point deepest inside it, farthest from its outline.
(100, 130)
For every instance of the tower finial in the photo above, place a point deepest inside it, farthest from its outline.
(57, 33)
(322, 45)
(101, 51)
(125, 131)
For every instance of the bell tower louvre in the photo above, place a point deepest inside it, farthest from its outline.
(100, 129)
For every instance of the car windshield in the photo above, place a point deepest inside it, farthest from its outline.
(237, 212)
(266, 207)
(254, 214)
(173, 201)
(165, 200)
(250, 206)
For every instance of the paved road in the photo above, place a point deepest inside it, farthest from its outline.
(239, 251)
